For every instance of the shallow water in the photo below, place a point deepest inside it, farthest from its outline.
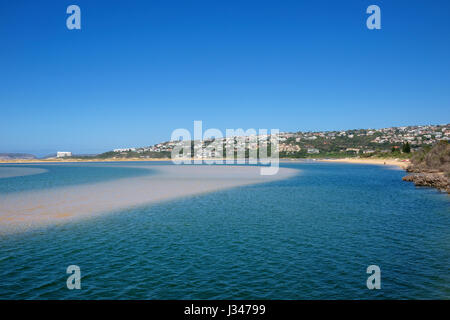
(10, 172)
(17, 178)
(21, 211)
(311, 236)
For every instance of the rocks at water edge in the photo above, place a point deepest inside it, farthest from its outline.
(434, 180)
(431, 167)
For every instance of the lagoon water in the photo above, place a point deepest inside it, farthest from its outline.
(309, 236)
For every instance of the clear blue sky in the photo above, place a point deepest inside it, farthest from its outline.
(139, 69)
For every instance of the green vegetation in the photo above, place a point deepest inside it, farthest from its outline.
(406, 148)
(356, 143)
(430, 167)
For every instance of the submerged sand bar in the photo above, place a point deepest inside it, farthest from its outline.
(25, 210)
(9, 172)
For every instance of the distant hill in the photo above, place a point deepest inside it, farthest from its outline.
(52, 155)
(392, 142)
(77, 156)
(13, 156)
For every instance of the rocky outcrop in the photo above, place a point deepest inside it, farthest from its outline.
(427, 179)
(431, 167)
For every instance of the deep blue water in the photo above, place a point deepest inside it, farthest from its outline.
(308, 237)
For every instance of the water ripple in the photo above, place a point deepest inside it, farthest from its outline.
(309, 237)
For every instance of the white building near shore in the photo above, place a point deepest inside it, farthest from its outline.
(62, 154)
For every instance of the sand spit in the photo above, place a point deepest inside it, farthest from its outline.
(9, 172)
(24, 210)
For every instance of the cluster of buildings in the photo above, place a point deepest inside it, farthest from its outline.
(365, 140)
(428, 134)
(417, 135)
(167, 146)
(358, 141)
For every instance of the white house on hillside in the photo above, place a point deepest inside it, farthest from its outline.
(62, 154)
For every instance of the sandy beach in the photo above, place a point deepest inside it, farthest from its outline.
(403, 164)
(378, 161)
(25, 210)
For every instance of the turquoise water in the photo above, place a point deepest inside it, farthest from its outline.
(308, 237)
(60, 175)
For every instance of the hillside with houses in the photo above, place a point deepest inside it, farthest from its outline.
(385, 142)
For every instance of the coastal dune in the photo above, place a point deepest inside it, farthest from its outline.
(25, 210)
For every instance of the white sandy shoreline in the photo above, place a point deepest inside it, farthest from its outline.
(389, 162)
(25, 210)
